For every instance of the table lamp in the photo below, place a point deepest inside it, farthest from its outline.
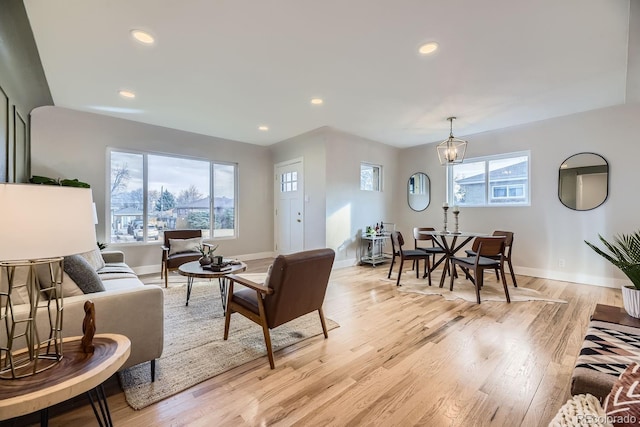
(39, 225)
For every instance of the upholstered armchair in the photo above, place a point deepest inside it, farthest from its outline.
(183, 251)
(295, 285)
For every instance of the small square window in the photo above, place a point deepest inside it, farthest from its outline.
(370, 177)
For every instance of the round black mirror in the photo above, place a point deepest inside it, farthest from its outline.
(583, 182)
(418, 189)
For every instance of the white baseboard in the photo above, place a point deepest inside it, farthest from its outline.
(583, 279)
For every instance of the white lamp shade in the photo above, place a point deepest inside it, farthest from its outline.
(45, 221)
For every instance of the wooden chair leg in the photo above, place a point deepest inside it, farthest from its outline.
(227, 315)
(513, 276)
(427, 270)
(324, 325)
(393, 261)
(504, 285)
(479, 273)
(416, 263)
(265, 331)
(400, 271)
(166, 275)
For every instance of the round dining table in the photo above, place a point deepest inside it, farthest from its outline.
(448, 241)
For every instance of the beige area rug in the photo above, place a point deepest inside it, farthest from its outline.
(194, 350)
(492, 290)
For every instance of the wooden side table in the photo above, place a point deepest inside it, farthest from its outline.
(617, 315)
(76, 373)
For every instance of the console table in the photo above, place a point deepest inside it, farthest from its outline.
(75, 374)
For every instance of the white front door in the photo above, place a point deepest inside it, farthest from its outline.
(289, 214)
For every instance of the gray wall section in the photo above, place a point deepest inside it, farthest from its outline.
(633, 59)
(21, 73)
(24, 88)
(73, 144)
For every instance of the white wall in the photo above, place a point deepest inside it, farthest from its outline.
(349, 209)
(547, 231)
(72, 144)
(311, 148)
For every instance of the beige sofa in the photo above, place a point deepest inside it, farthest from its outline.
(126, 307)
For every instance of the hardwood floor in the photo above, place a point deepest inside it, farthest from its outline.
(396, 360)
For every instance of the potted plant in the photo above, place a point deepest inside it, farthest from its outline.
(624, 253)
(206, 250)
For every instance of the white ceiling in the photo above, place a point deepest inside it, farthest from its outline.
(224, 67)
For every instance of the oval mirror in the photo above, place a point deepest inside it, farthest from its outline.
(418, 189)
(583, 182)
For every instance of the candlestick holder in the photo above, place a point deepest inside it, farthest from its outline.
(445, 209)
(455, 217)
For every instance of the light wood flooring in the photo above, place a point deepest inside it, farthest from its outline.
(396, 360)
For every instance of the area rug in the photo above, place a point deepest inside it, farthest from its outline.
(464, 289)
(194, 350)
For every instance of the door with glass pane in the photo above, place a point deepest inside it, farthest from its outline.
(289, 214)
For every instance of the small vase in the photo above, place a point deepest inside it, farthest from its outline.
(205, 260)
(631, 300)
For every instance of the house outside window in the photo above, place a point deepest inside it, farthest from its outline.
(491, 181)
(150, 193)
(370, 177)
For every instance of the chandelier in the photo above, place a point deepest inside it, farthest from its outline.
(452, 149)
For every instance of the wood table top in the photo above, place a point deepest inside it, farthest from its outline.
(194, 269)
(75, 374)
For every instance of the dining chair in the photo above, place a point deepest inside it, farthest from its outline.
(433, 250)
(489, 254)
(397, 241)
(508, 246)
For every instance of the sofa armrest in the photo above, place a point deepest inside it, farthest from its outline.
(112, 256)
(137, 313)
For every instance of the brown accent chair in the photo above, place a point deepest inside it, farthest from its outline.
(508, 245)
(489, 255)
(397, 241)
(173, 261)
(295, 286)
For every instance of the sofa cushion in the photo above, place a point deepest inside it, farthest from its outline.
(116, 270)
(94, 258)
(83, 274)
(177, 246)
(19, 294)
(69, 287)
(623, 402)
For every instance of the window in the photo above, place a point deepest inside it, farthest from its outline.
(151, 193)
(490, 181)
(289, 182)
(370, 177)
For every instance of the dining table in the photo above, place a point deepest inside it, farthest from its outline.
(448, 241)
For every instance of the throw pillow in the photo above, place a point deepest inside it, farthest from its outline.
(81, 272)
(94, 258)
(623, 402)
(177, 246)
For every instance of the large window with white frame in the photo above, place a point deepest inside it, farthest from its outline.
(500, 180)
(150, 193)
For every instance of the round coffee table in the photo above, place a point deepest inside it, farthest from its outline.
(194, 270)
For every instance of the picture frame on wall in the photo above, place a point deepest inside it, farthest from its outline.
(4, 136)
(20, 148)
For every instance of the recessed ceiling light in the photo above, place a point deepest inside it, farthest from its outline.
(428, 48)
(142, 36)
(317, 101)
(263, 128)
(127, 94)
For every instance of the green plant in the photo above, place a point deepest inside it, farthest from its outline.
(624, 253)
(206, 249)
